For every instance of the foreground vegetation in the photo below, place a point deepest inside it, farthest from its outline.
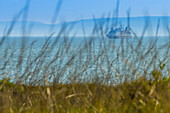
(141, 95)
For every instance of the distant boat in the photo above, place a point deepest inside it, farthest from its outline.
(119, 32)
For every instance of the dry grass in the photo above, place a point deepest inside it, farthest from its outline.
(136, 96)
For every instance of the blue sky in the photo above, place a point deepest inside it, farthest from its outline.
(42, 10)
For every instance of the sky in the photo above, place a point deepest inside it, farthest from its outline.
(72, 10)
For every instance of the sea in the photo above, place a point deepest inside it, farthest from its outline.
(35, 59)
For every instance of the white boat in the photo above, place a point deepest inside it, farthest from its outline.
(119, 33)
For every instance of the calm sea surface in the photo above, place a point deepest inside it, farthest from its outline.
(83, 56)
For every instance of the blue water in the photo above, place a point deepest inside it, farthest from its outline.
(84, 58)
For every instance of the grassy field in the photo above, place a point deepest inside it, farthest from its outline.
(140, 95)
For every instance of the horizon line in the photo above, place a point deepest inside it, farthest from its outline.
(82, 19)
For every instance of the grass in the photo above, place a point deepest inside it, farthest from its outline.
(103, 77)
(141, 95)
